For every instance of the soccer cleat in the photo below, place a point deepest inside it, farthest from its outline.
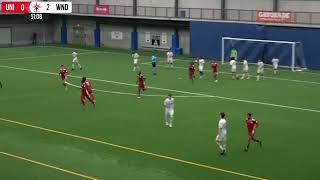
(223, 152)
(246, 150)
(216, 81)
(167, 124)
(170, 125)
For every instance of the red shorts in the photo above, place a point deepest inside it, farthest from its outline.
(191, 75)
(141, 86)
(63, 78)
(88, 96)
(251, 134)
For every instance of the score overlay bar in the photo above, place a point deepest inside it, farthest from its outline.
(36, 7)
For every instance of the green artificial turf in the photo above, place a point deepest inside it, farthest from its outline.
(290, 136)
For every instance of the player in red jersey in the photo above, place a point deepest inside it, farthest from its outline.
(252, 125)
(141, 83)
(215, 68)
(86, 92)
(191, 69)
(63, 72)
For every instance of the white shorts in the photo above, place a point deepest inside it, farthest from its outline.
(135, 61)
(201, 68)
(260, 71)
(170, 60)
(221, 137)
(275, 66)
(75, 60)
(245, 70)
(169, 112)
(233, 69)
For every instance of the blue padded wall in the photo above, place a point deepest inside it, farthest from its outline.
(206, 41)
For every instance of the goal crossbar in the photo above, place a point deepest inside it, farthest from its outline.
(293, 45)
(258, 40)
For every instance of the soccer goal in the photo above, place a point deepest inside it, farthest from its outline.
(289, 53)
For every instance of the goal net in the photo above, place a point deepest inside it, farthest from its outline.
(290, 54)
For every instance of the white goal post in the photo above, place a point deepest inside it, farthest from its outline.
(255, 42)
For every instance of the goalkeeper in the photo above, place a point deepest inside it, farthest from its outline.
(233, 54)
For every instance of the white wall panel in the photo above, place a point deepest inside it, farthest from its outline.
(211, 4)
(301, 6)
(156, 3)
(117, 2)
(250, 4)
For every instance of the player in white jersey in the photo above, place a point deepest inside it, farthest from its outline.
(221, 137)
(135, 57)
(169, 110)
(275, 62)
(75, 61)
(233, 64)
(260, 69)
(201, 63)
(245, 70)
(170, 58)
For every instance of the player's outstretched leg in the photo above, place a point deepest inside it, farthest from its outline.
(139, 92)
(170, 120)
(65, 86)
(243, 75)
(79, 66)
(248, 145)
(221, 146)
(166, 118)
(215, 76)
(91, 99)
(73, 66)
(257, 141)
(83, 104)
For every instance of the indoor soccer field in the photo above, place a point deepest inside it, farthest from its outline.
(44, 134)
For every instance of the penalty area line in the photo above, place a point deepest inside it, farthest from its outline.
(132, 94)
(173, 90)
(47, 165)
(131, 149)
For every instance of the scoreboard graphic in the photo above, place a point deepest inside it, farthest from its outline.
(27, 7)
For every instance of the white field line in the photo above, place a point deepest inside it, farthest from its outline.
(44, 56)
(173, 90)
(132, 94)
(275, 78)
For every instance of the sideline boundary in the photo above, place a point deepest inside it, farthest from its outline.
(46, 165)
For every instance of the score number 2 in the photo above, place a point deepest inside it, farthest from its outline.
(48, 5)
